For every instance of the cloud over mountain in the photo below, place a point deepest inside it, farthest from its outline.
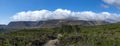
(65, 14)
(113, 2)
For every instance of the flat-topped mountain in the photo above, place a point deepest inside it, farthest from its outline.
(52, 23)
(56, 23)
(24, 24)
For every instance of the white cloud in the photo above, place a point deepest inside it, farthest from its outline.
(113, 2)
(65, 14)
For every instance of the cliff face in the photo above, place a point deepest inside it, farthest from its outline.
(52, 23)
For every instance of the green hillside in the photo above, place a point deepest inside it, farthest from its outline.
(103, 35)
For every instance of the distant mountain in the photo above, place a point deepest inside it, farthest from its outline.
(56, 23)
(52, 23)
(1, 26)
(24, 24)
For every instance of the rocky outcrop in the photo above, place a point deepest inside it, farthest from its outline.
(55, 42)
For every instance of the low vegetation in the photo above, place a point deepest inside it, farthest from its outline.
(103, 35)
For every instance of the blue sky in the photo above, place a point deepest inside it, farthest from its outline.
(8, 8)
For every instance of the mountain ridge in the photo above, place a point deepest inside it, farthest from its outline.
(51, 23)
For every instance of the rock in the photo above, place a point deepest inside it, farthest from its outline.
(59, 36)
(54, 42)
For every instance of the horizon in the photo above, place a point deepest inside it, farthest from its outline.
(33, 10)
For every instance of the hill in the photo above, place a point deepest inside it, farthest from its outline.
(73, 35)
